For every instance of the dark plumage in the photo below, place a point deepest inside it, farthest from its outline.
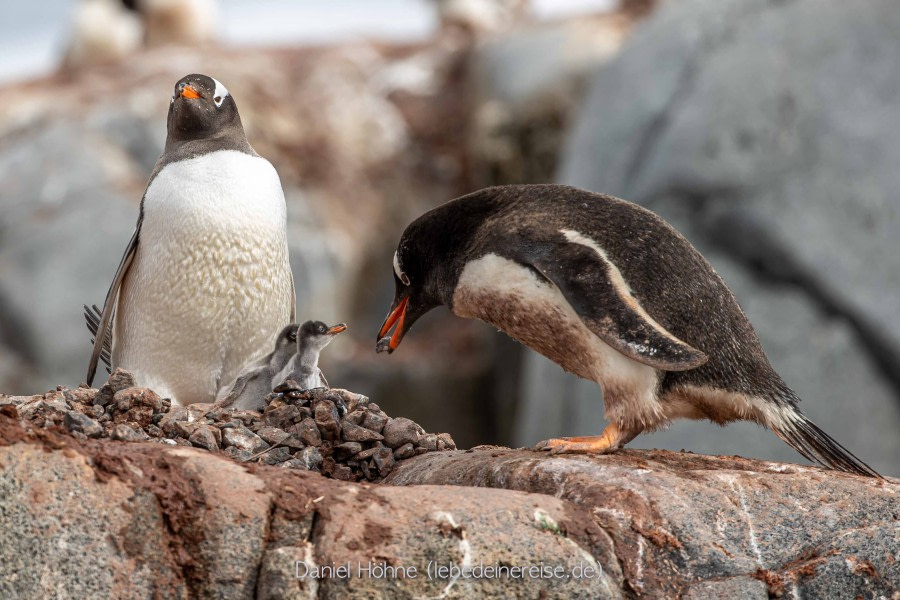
(612, 293)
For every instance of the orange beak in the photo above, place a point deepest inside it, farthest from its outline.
(189, 92)
(337, 329)
(398, 316)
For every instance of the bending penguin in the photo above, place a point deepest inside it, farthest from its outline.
(205, 285)
(303, 367)
(610, 292)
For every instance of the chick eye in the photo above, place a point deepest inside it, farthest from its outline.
(321, 330)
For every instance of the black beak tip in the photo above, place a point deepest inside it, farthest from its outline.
(383, 345)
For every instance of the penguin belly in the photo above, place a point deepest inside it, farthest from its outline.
(534, 312)
(210, 286)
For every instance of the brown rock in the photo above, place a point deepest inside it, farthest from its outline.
(308, 432)
(126, 433)
(327, 420)
(400, 431)
(383, 460)
(76, 421)
(203, 437)
(243, 439)
(355, 433)
(346, 450)
(374, 421)
(405, 451)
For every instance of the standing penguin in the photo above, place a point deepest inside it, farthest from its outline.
(610, 292)
(205, 284)
(249, 390)
(303, 367)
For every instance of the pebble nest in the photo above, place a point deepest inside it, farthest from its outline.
(338, 433)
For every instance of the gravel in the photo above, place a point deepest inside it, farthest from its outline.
(338, 433)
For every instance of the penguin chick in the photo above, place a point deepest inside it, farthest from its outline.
(610, 292)
(205, 284)
(303, 367)
(249, 390)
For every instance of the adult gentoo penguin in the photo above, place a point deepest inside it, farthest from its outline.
(610, 292)
(205, 285)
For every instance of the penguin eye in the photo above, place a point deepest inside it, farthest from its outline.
(292, 337)
(321, 329)
(218, 100)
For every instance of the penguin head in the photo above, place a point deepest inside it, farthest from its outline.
(426, 269)
(201, 107)
(431, 256)
(315, 335)
(285, 344)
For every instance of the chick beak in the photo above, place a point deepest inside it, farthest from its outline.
(189, 91)
(398, 316)
(340, 327)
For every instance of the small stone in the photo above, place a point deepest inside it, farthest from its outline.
(82, 395)
(281, 417)
(308, 432)
(346, 450)
(405, 451)
(275, 456)
(119, 380)
(272, 435)
(400, 431)
(356, 401)
(153, 431)
(203, 437)
(126, 433)
(367, 471)
(328, 420)
(310, 457)
(342, 472)
(185, 429)
(168, 441)
(428, 441)
(96, 410)
(76, 421)
(383, 460)
(198, 410)
(445, 442)
(293, 464)
(243, 439)
(238, 454)
(366, 454)
(167, 423)
(336, 397)
(356, 417)
(374, 421)
(355, 433)
(289, 385)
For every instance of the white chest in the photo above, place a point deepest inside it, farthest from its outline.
(226, 193)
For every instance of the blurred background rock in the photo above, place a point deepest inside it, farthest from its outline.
(764, 130)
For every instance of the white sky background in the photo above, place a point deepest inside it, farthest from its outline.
(33, 32)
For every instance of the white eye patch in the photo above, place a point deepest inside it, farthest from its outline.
(220, 92)
(400, 274)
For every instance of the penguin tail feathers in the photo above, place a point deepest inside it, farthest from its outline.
(92, 320)
(805, 437)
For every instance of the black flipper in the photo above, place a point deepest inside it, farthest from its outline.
(595, 289)
(109, 305)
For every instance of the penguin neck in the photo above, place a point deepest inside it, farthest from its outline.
(309, 360)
